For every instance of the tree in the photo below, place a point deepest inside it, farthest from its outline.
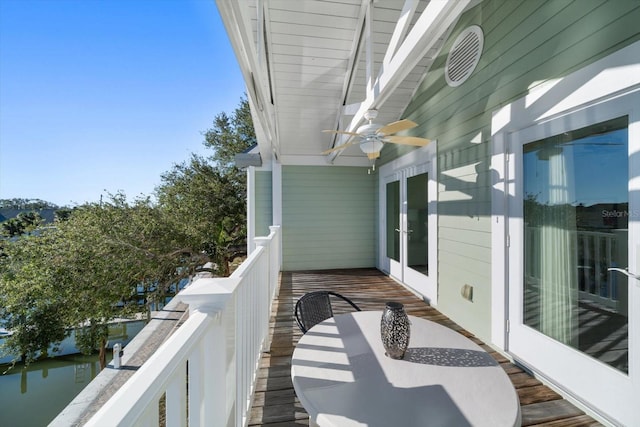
(229, 136)
(102, 266)
(70, 276)
(206, 209)
(27, 204)
(206, 196)
(29, 296)
(84, 272)
(25, 222)
(62, 214)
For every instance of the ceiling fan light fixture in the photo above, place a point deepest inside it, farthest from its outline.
(372, 136)
(371, 146)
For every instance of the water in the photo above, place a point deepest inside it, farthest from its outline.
(34, 396)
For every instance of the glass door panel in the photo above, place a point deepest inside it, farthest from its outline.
(417, 223)
(393, 220)
(575, 216)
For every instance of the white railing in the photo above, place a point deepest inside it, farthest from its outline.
(207, 369)
(595, 253)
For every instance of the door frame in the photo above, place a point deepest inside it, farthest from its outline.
(609, 87)
(416, 162)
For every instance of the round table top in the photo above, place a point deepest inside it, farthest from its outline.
(343, 378)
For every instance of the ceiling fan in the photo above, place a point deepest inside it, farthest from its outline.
(373, 136)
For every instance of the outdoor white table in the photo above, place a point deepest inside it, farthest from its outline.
(343, 378)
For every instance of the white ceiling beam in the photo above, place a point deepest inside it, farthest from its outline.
(353, 63)
(368, 46)
(402, 26)
(432, 24)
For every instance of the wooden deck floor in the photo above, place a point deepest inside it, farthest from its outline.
(275, 403)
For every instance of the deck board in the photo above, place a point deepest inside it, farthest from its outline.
(275, 403)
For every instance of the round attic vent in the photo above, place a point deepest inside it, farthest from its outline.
(464, 56)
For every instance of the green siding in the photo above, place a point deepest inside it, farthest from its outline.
(328, 217)
(263, 203)
(526, 43)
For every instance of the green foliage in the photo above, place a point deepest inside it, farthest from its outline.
(62, 214)
(84, 271)
(25, 222)
(230, 135)
(26, 204)
(207, 212)
(31, 295)
(205, 197)
(88, 335)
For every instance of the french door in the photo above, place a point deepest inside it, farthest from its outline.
(409, 228)
(574, 251)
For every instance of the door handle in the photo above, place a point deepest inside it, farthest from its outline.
(625, 271)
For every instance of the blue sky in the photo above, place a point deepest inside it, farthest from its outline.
(100, 96)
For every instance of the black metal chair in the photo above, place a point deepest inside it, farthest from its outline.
(314, 307)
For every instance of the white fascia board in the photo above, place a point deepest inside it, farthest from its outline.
(241, 37)
(264, 142)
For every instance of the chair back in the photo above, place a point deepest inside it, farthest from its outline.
(315, 307)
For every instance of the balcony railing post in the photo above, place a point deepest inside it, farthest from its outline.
(208, 391)
(276, 258)
(207, 374)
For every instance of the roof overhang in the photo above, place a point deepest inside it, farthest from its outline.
(311, 65)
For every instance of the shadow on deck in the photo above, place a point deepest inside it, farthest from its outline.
(275, 403)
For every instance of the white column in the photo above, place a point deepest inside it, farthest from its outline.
(251, 208)
(276, 193)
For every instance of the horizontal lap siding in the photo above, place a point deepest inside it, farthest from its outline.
(464, 238)
(328, 217)
(526, 44)
(264, 202)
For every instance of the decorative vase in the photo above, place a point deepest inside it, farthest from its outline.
(395, 330)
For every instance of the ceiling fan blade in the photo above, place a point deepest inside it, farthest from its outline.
(339, 147)
(341, 132)
(397, 127)
(407, 140)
